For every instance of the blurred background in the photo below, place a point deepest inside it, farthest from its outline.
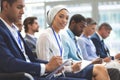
(100, 10)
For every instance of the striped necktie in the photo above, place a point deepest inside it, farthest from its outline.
(78, 52)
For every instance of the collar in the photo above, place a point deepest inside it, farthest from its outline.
(82, 35)
(99, 36)
(10, 27)
(30, 35)
(70, 33)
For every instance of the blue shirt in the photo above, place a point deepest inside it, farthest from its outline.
(69, 45)
(87, 48)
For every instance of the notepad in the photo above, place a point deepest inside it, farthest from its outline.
(58, 69)
(84, 64)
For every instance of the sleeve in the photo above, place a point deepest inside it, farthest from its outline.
(42, 47)
(11, 60)
(97, 46)
(65, 46)
(83, 49)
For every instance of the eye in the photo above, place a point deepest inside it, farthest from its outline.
(19, 7)
(61, 16)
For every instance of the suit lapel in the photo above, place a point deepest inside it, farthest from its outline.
(11, 38)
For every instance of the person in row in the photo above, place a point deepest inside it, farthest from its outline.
(98, 37)
(49, 42)
(85, 43)
(31, 26)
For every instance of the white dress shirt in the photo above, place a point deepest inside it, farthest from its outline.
(47, 46)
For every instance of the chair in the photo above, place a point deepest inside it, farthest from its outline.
(16, 76)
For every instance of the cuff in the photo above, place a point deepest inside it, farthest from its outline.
(42, 69)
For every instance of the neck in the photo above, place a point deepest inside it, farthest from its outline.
(56, 29)
(6, 19)
(85, 34)
(30, 32)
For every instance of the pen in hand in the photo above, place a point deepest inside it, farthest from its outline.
(52, 52)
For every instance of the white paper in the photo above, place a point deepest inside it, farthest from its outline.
(84, 64)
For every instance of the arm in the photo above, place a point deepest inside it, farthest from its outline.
(42, 47)
(65, 46)
(14, 62)
(83, 49)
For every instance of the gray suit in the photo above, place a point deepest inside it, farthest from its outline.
(31, 42)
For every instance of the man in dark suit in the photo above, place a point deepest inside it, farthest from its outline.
(98, 39)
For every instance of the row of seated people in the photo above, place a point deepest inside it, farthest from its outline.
(31, 42)
(52, 42)
(16, 55)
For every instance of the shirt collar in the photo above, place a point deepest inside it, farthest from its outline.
(8, 26)
(31, 35)
(99, 36)
(70, 33)
(82, 35)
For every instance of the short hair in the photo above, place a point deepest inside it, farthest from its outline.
(90, 21)
(105, 25)
(28, 20)
(77, 18)
(9, 1)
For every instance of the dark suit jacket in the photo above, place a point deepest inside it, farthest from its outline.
(100, 50)
(11, 57)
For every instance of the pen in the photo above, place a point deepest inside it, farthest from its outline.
(52, 51)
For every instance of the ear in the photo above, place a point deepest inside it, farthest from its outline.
(6, 5)
(29, 25)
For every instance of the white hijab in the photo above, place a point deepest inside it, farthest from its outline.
(52, 13)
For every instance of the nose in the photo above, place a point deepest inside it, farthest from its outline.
(65, 21)
(22, 11)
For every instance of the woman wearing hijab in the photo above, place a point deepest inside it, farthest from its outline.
(49, 44)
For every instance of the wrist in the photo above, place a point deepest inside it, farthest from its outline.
(46, 68)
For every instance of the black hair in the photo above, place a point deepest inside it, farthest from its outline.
(76, 18)
(9, 1)
(105, 25)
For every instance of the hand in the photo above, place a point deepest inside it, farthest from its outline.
(55, 62)
(76, 66)
(97, 61)
(107, 59)
(117, 56)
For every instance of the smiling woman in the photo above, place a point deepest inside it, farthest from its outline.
(57, 18)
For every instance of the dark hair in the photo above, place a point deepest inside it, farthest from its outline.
(9, 1)
(77, 18)
(28, 20)
(105, 25)
(90, 21)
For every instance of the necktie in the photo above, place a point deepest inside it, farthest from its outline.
(78, 52)
(16, 35)
(105, 48)
(20, 42)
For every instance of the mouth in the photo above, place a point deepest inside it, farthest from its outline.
(63, 25)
